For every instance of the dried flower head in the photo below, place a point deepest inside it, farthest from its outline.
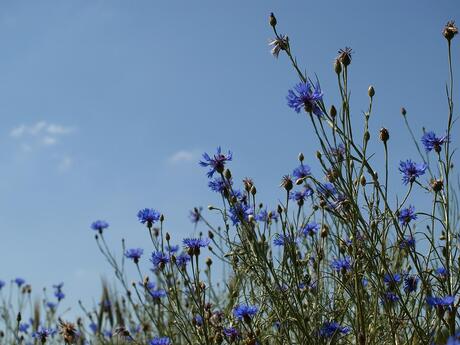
(68, 332)
(345, 56)
(278, 44)
(450, 30)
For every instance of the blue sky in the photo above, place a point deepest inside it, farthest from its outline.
(106, 107)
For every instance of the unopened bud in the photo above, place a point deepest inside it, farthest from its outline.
(272, 20)
(337, 66)
(384, 135)
(162, 218)
(371, 91)
(403, 111)
(253, 190)
(301, 157)
(167, 236)
(362, 180)
(367, 136)
(227, 174)
(333, 111)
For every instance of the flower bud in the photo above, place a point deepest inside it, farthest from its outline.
(367, 136)
(337, 66)
(324, 231)
(301, 157)
(384, 135)
(253, 190)
(371, 91)
(162, 218)
(286, 183)
(333, 111)
(272, 20)
(167, 236)
(208, 261)
(450, 30)
(436, 185)
(362, 180)
(227, 174)
(403, 111)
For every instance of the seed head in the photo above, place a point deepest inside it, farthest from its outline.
(345, 56)
(286, 183)
(450, 30)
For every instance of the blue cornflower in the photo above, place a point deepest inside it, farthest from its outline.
(389, 298)
(301, 195)
(160, 341)
(99, 225)
(245, 312)
(58, 291)
(19, 281)
(410, 283)
(198, 320)
(329, 329)
(217, 162)
(42, 334)
(231, 333)
(2, 284)
(195, 215)
(23, 327)
(341, 265)
(159, 259)
(148, 216)
(301, 171)
(310, 229)
(134, 254)
(93, 327)
(440, 301)
(157, 293)
(172, 249)
(442, 272)
(407, 243)
(193, 245)
(305, 96)
(282, 240)
(432, 142)
(219, 185)
(406, 215)
(392, 280)
(411, 170)
(52, 306)
(338, 152)
(326, 189)
(265, 216)
(108, 334)
(240, 212)
(453, 341)
(182, 260)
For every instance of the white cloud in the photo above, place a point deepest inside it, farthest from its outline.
(39, 134)
(183, 156)
(58, 129)
(48, 141)
(18, 131)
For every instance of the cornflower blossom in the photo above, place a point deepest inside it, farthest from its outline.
(301, 171)
(406, 215)
(245, 312)
(329, 329)
(240, 212)
(411, 170)
(134, 254)
(99, 225)
(310, 229)
(217, 162)
(305, 96)
(431, 142)
(159, 259)
(148, 216)
(341, 265)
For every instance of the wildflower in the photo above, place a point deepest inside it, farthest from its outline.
(301, 195)
(406, 215)
(304, 96)
(282, 240)
(52, 306)
(265, 216)
(58, 291)
(148, 216)
(326, 189)
(442, 272)
(42, 334)
(159, 259)
(278, 44)
(341, 265)
(411, 170)
(99, 225)
(245, 312)
(310, 229)
(440, 301)
(219, 185)
(329, 329)
(182, 260)
(134, 254)
(392, 280)
(195, 215)
(450, 30)
(217, 162)
(389, 298)
(23, 327)
(410, 283)
(2, 284)
(68, 332)
(160, 341)
(407, 243)
(338, 152)
(197, 320)
(172, 249)
(193, 245)
(301, 171)
(93, 327)
(157, 293)
(231, 333)
(240, 212)
(431, 142)
(345, 56)
(19, 281)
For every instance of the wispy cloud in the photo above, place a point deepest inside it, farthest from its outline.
(184, 156)
(39, 134)
(65, 164)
